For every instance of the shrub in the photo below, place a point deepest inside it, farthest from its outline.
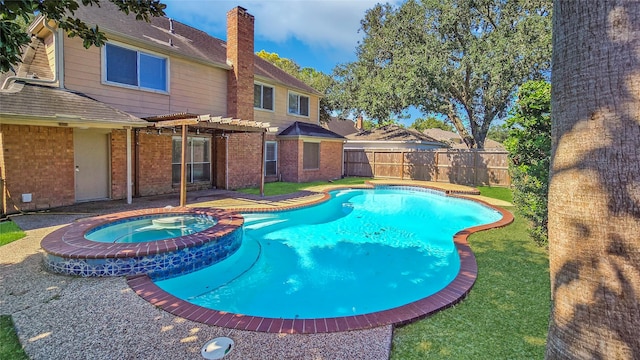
(529, 146)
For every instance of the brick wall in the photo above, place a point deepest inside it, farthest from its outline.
(119, 164)
(240, 25)
(245, 160)
(154, 164)
(290, 161)
(37, 160)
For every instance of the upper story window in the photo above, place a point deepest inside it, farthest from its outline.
(298, 104)
(262, 97)
(134, 68)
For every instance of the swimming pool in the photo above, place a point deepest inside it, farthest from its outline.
(150, 228)
(362, 251)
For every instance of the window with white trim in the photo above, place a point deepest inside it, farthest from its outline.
(310, 155)
(198, 159)
(298, 104)
(134, 68)
(262, 97)
(270, 158)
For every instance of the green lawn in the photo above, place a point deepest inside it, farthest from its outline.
(500, 193)
(281, 188)
(9, 232)
(505, 316)
(10, 347)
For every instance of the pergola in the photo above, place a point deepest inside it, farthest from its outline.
(185, 120)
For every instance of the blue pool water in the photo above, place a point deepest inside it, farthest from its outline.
(364, 250)
(150, 228)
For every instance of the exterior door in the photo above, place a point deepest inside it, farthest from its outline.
(91, 153)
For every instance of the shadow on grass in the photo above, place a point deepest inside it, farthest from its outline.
(504, 316)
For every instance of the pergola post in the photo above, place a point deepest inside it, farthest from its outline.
(262, 168)
(183, 168)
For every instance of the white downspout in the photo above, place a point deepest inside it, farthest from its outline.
(129, 182)
(57, 59)
(226, 161)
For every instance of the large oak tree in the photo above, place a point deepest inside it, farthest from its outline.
(460, 59)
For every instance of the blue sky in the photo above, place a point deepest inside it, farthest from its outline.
(313, 33)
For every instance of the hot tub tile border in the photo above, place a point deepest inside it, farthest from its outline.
(68, 252)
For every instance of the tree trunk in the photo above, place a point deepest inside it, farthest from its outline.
(594, 194)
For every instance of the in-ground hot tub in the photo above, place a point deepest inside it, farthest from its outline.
(68, 251)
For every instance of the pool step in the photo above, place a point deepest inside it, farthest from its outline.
(212, 277)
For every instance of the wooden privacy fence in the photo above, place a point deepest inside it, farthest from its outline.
(465, 167)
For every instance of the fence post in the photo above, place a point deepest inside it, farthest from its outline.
(402, 165)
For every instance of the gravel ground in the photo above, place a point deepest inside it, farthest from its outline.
(63, 317)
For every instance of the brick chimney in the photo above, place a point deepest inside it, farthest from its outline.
(359, 122)
(240, 57)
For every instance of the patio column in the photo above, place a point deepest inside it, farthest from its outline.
(183, 168)
(264, 143)
(129, 186)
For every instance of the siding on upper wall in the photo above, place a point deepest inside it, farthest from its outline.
(51, 54)
(280, 117)
(194, 87)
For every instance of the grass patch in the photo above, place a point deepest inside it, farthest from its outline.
(506, 314)
(281, 188)
(500, 193)
(10, 347)
(9, 232)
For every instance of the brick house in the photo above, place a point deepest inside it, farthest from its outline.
(82, 124)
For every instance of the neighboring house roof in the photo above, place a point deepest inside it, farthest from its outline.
(184, 40)
(343, 127)
(44, 103)
(305, 129)
(393, 133)
(455, 141)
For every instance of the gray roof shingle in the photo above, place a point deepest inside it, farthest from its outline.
(392, 133)
(59, 105)
(305, 129)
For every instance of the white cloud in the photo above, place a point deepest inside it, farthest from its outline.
(329, 24)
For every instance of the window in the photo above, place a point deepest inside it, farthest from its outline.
(198, 159)
(134, 68)
(311, 156)
(262, 97)
(298, 104)
(271, 158)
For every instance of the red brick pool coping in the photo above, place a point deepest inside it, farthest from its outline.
(447, 297)
(69, 242)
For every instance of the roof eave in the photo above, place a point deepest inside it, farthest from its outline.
(61, 120)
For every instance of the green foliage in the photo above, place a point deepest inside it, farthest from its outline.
(10, 347)
(318, 80)
(13, 37)
(498, 133)
(10, 232)
(430, 123)
(529, 146)
(460, 59)
(506, 314)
